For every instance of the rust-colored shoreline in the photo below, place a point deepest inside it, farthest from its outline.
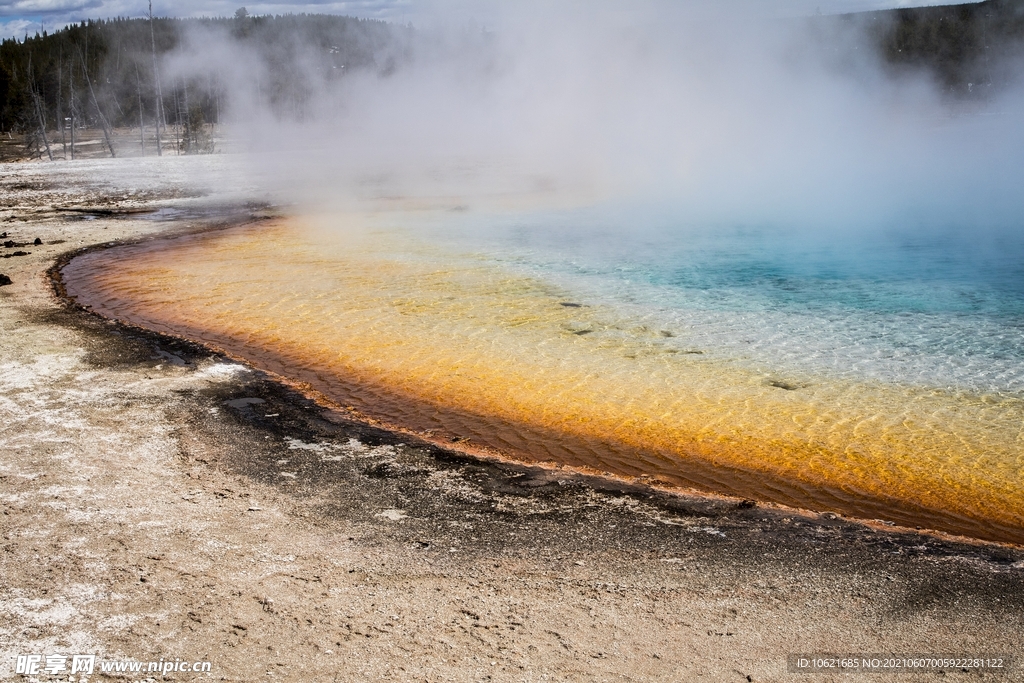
(446, 426)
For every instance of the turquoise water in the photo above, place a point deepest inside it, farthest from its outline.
(929, 306)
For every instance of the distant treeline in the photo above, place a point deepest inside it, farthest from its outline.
(971, 50)
(109, 73)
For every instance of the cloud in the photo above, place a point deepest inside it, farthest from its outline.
(17, 28)
(25, 14)
(25, 8)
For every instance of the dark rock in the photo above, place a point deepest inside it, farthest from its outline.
(392, 470)
(4, 280)
(21, 253)
(240, 402)
(37, 242)
(9, 244)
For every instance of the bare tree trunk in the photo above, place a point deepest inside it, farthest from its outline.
(71, 91)
(142, 125)
(156, 77)
(39, 109)
(103, 119)
(177, 120)
(187, 131)
(60, 99)
(215, 92)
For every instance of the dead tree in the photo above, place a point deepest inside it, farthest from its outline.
(156, 77)
(39, 108)
(60, 98)
(96, 103)
(71, 103)
(142, 125)
(177, 119)
(186, 132)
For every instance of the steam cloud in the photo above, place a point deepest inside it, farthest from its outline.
(716, 115)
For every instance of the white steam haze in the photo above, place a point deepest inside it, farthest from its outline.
(717, 113)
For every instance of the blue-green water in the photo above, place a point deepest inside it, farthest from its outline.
(931, 306)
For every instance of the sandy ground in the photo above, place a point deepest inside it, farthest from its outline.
(160, 501)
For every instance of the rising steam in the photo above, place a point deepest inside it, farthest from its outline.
(719, 116)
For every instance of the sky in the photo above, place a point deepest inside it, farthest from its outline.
(18, 17)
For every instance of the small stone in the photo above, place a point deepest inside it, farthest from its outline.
(9, 244)
(37, 242)
(4, 280)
